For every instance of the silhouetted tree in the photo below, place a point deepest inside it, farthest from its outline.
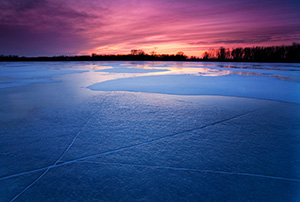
(254, 54)
(210, 54)
(237, 53)
(137, 52)
(180, 53)
(205, 55)
(221, 53)
(180, 56)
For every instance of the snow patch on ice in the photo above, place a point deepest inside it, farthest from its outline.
(130, 70)
(229, 85)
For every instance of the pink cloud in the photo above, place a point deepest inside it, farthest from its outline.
(50, 27)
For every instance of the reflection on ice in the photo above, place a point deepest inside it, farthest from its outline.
(280, 82)
(256, 80)
(281, 71)
(130, 70)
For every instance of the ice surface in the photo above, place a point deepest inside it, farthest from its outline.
(230, 85)
(254, 80)
(20, 74)
(61, 141)
(263, 81)
(130, 70)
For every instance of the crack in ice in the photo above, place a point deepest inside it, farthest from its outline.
(44, 173)
(124, 148)
(196, 170)
(54, 165)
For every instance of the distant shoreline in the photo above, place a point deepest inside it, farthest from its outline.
(91, 60)
(273, 54)
(168, 58)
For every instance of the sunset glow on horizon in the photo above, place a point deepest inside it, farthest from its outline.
(55, 27)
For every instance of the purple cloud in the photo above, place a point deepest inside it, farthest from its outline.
(52, 27)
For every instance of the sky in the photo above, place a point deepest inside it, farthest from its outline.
(77, 27)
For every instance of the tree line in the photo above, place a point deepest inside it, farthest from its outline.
(136, 55)
(249, 54)
(256, 54)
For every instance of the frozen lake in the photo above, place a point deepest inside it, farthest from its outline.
(149, 131)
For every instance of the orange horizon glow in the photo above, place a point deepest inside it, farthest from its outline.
(198, 52)
(163, 26)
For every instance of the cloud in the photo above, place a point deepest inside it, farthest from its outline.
(23, 5)
(29, 27)
(230, 41)
(39, 27)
